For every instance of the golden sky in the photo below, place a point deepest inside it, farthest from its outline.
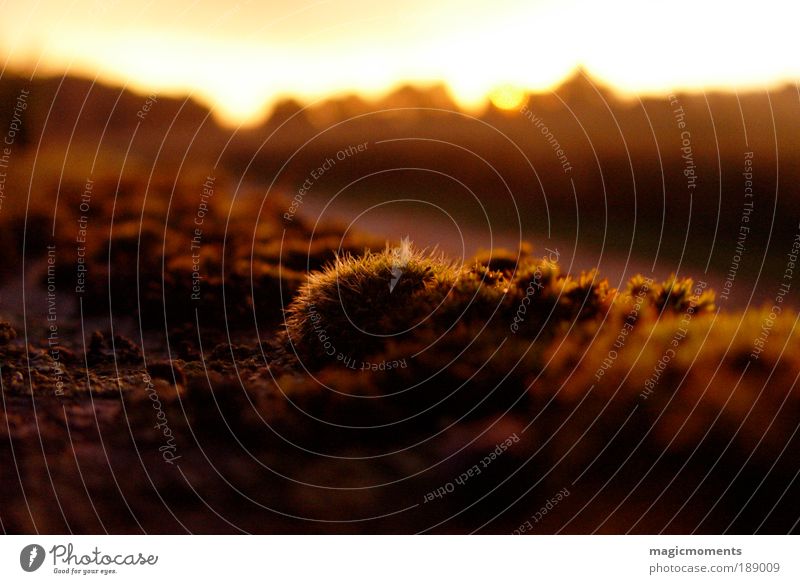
(238, 56)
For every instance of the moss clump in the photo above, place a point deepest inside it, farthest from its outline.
(7, 333)
(679, 295)
(356, 303)
(477, 342)
(363, 306)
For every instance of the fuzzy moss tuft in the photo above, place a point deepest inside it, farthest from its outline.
(402, 300)
(356, 302)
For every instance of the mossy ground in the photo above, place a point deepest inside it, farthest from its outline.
(376, 377)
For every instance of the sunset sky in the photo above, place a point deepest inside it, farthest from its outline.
(238, 57)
